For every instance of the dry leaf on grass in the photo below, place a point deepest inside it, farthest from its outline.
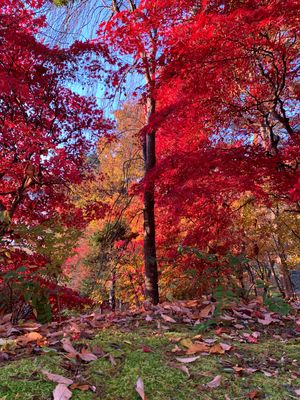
(198, 348)
(139, 387)
(68, 347)
(186, 343)
(187, 360)
(112, 360)
(168, 319)
(78, 386)
(87, 356)
(216, 382)
(61, 392)
(225, 346)
(204, 313)
(216, 349)
(184, 369)
(267, 320)
(57, 378)
(29, 337)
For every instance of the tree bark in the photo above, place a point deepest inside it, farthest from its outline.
(151, 273)
(288, 287)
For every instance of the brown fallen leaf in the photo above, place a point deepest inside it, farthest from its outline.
(98, 351)
(87, 356)
(198, 348)
(168, 319)
(68, 347)
(197, 337)
(139, 387)
(61, 392)
(186, 343)
(112, 360)
(176, 349)
(267, 320)
(57, 378)
(184, 369)
(215, 382)
(29, 337)
(216, 349)
(204, 313)
(254, 394)
(225, 346)
(187, 360)
(78, 386)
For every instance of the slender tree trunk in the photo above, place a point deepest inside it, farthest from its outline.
(151, 274)
(277, 280)
(288, 287)
(112, 291)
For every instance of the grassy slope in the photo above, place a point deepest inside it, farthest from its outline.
(21, 379)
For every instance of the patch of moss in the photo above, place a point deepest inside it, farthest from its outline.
(146, 353)
(20, 380)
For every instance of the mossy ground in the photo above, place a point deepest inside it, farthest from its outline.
(163, 381)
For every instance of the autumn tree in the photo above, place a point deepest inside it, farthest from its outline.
(118, 169)
(43, 136)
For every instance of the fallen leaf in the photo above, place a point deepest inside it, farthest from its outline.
(186, 343)
(216, 349)
(146, 349)
(216, 382)
(239, 326)
(112, 360)
(68, 347)
(168, 319)
(209, 340)
(29, 337)
(87, 356)
(251, 370)
(98, 351)
(139, 387)
(61, 392)
(198, 348)
(184, 369)
(204, 313)
(197, 337)
(225, 346)
(254, 394)
(297, 391)
(187, 360)
(176, 349)
(252, 339)
(78, 386)
(267, 320)
(226, 317)
(267, 373)
(57, 378)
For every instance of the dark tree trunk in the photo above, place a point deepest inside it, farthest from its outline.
(112, 291)
(151, 273)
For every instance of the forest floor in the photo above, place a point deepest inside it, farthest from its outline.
(243, 353)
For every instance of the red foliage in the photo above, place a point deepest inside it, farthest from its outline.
(227, 120)
(43, 124)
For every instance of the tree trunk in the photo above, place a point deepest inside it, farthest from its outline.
(288, 287)
(112, 291)
(151, 274)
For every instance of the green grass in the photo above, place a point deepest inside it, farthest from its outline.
(22, 380)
